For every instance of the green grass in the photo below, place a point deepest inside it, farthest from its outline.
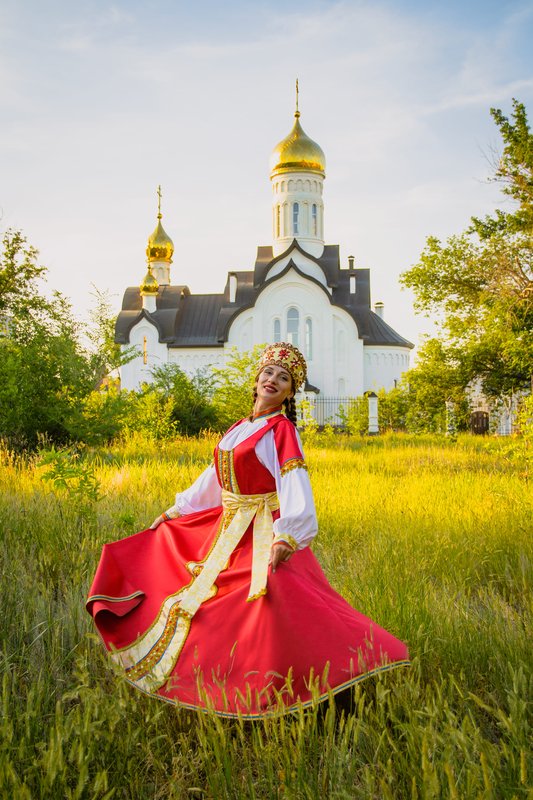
(430, 537)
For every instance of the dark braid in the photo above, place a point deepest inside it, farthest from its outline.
(290, 409)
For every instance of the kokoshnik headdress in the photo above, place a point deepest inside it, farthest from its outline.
(286, 355)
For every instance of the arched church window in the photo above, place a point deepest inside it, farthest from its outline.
(314, 219)
(309, 339)
(277, 330)
(278, 220)
(295, 215)
(293, 324)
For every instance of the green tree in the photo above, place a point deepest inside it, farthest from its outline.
(234, 382)
(20, 276)
(105, 356)
(480, 283)
(47, 371)
(43, 373)
(437, 379)
(190, 398)
(393, 408)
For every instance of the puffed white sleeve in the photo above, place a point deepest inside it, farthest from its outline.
(281, 452)
(204, 493)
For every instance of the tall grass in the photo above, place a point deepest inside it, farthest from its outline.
(431, 538)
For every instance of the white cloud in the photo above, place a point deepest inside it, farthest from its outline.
(104, 108)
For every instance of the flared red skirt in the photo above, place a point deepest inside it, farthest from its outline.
(292, 646)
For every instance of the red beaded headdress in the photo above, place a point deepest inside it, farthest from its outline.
(286, 355)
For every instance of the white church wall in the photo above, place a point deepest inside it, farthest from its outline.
(348, 377)
(305, 316)
(384, 367)
(305, 189)
(192, 359)
(241, 333)
(150, 354)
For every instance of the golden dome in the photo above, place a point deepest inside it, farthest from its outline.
(149, 284)
(297, 152)
(160, 245)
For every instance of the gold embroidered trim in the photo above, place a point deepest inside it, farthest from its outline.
(226, 469)
(266, 414)
(293, 463)
(110, 599)
(287, 539)
(256, 596)
(277, 711)
(225, 521)
(150, 660)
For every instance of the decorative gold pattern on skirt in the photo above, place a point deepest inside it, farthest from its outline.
(142, 655)
(150, 660)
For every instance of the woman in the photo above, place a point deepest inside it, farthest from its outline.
(221, 604)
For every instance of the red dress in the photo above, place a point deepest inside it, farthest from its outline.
(240, 655)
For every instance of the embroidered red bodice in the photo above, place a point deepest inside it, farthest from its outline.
(240, 471)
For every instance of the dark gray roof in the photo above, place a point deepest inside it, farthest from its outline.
(374, 331)
(186, 320)
(198, 321)
(182, 319)
(328, 262)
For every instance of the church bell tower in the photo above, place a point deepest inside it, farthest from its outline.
(297, 172)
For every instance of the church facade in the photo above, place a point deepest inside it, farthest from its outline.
(297, 291)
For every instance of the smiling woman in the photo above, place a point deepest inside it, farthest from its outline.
(221, 604)
(273, 388)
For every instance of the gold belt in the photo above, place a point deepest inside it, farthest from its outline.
(244, 508)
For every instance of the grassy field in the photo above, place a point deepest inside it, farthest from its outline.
(429, 537)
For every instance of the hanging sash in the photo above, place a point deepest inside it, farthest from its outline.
(150, 660)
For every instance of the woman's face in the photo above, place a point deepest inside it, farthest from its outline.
(274, 385)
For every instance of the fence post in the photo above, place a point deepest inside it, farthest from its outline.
(451, 427)
(373, 425)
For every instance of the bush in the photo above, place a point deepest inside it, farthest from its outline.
(234, 382)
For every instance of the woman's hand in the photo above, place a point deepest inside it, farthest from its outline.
(156, 522)
(280, 552)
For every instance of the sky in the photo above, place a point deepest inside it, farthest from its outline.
(102, 102)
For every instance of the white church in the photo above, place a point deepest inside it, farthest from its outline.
(297, 291)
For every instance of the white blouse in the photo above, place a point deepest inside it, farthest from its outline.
(297, 507)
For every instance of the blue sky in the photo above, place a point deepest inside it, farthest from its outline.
(100, 102)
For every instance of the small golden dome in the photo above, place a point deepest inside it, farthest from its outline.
(297, 152)
(160, 245)
(149, 284)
